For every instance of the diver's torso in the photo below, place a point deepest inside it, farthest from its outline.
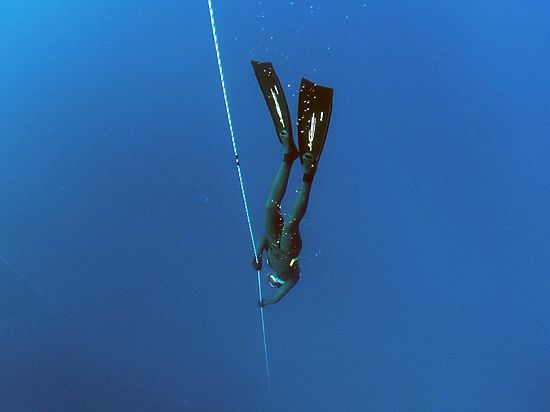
(280, 261)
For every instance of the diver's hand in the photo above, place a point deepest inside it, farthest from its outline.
(262, 303)
(257, 265)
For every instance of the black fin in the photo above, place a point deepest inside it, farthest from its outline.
(314, 110)
(274, 96)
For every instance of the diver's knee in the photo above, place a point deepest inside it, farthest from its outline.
(271, 206)
(293, 225)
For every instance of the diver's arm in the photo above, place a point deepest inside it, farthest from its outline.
(281, 292)
(261, 245)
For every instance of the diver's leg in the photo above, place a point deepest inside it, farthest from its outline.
(273, 220)
(302, 197)
(291, 240)
(301, 202)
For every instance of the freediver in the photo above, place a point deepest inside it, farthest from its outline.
(282, 240)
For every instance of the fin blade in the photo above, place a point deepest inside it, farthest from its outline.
(274, 96)
(314, 113)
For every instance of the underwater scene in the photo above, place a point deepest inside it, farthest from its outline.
(218, 206)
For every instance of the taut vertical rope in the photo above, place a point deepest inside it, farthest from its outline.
(237, 163)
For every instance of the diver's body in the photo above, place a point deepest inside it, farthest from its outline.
(282, 240)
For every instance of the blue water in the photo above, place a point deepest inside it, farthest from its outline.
(125, 278)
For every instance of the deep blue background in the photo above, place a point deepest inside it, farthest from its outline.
(125, 281)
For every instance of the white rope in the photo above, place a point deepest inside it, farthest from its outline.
(236, 154)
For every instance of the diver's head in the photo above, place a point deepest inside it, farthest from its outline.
(275, 281)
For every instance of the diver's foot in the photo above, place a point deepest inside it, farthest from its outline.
(291, 152)
(309, 163)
